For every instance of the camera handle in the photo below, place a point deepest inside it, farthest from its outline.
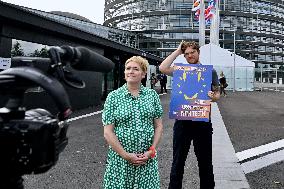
(17, 80)
(58, 69)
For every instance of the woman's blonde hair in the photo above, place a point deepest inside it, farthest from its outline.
(140, 60)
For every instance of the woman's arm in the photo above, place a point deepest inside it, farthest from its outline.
(157, 136)
(113, 141)
(158, 131)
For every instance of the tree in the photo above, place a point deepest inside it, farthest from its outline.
(17, 50)
(36, 53)
(43, 52)
(281, 67)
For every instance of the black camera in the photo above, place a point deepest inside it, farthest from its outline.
(31, 141)
(32, 144)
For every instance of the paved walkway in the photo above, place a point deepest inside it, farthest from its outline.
(228, 172)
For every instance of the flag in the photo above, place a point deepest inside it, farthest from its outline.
(196, 8)
(210, 11)
(196, 5)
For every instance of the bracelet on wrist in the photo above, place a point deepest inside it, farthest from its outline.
(153, 151)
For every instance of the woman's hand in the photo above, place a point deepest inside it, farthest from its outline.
(137, 159)
(146, 155)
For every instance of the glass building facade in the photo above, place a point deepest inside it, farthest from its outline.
(258, 26)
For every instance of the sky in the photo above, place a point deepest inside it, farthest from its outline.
(91, 9)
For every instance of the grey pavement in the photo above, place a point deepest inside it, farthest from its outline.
(227, 170)
(254, 119)
(82, 163)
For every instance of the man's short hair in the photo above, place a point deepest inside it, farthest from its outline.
(192, 44)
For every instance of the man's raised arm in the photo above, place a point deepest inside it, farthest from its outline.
(165, 66)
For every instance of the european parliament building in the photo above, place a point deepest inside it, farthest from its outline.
(254, 29)
(258, 26)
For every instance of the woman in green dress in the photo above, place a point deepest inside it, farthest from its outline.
(132, 128)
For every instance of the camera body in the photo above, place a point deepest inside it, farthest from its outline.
(32, 144)
(31, 141)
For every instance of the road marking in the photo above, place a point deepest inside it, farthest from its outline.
(262, 162)
(162, 94)
(270, 89)
(84, 116)
(246, 154)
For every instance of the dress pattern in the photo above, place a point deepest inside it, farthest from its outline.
(134, 128)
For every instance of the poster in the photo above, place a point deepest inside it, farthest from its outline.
(5, 63)
(189, 99)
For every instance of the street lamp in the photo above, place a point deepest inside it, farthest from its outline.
(261, 76)
(148, 11)
(234, 70)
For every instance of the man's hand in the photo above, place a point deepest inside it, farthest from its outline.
(211, 94)
(179, 49)
(165, 66)
(214, 95)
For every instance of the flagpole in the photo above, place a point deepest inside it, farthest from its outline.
(218, 21)
(202, 24)
(214, 27)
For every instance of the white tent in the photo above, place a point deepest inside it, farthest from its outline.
(226, 61)
(211, 54)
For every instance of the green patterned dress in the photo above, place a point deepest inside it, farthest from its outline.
(134, 128)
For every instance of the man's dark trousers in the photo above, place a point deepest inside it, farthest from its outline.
(163, 86)
(200, 133)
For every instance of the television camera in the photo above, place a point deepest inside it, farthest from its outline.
(31, 141)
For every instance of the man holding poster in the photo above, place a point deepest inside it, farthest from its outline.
(195, 86)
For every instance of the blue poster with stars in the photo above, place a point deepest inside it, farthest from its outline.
(189, 99)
